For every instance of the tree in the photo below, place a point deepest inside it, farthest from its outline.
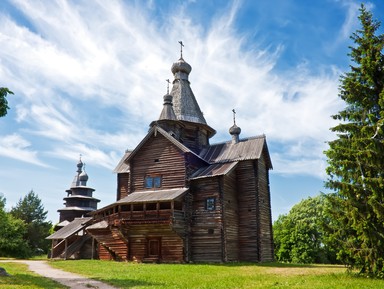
(3, 100)
(300, 236)
(356, 156)
(12, 230)
(31, 211)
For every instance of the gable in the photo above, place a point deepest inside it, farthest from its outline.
(154, 131)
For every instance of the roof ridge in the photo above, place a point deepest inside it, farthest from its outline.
(240, 140)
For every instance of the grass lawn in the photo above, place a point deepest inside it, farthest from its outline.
(132, 275)
(21, 278)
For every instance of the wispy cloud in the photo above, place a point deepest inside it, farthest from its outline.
(89, 77)
(16, 147)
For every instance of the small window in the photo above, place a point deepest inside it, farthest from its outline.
(152, 182)
(157, 182)
(148, 182)
(210, 204)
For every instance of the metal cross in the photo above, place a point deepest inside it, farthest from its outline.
(168, 85)
(234, 116)
(181, 49)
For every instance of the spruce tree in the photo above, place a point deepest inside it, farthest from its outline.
(356, 156)
(3, 100)
(31, 210)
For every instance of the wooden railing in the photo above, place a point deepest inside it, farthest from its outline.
(154, 215)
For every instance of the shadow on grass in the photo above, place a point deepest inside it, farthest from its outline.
(28, 281)
(37, 282)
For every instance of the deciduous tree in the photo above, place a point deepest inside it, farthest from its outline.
(12, 230)
(299, 236)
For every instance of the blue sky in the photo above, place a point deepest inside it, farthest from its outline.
(89, 77)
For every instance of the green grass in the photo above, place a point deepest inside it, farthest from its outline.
(21, 278)
(132, 275)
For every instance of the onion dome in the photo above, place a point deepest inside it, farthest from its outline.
(83, 177)
(167, 112)
(234, 130)
(181, 66)
(79, 166)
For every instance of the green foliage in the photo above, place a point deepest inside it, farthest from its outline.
(356, 157)
(31, 211)
(12, 230)
(300, 236)
(3, 100)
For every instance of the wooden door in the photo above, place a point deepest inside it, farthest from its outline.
(154, 247)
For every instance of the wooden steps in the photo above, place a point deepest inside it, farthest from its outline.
(113, 241)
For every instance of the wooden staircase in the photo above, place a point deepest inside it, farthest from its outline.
(112, 241)
(75, 246)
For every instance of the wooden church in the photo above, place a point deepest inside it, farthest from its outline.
(71, 241)
(182, 199)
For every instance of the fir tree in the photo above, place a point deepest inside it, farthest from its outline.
(356, 157)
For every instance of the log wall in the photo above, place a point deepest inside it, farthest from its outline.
(158, 156)
(206, 227)
(230, 218)
(122, 185)
(138, 236)
(265, 218)
(248, 211)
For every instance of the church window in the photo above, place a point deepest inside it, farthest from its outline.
(210, 204)
(152, 182)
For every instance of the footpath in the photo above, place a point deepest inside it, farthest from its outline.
(73, 281)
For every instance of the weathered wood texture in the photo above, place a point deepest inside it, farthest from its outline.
(113, 242)
(122, 185)
(194, 137)
(230, 218)
(248, 211)
(265, 218)
(158, 157)
(129, 234)
(171, 244)
(206, 227)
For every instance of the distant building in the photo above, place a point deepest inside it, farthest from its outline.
(79, 200)
(71, 239)
(181, 199)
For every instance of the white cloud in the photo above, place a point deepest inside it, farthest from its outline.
(16, 147)
(80, 61)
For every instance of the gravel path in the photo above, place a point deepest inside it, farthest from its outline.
(73, 281)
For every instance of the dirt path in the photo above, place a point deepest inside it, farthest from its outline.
(73, 281)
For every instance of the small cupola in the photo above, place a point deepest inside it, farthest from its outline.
(234, 130)
(167, 112)
(181, 69)
(83, 178)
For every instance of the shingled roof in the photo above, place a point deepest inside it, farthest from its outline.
(72, 228)
(246, 149)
